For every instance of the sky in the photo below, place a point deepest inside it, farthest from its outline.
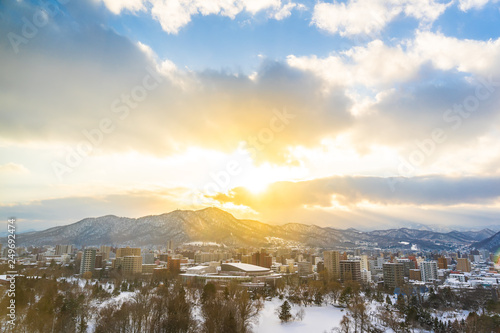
(370, 114)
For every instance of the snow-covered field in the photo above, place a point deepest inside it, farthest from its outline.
(316, 319)
(117, 301)
(451, 316)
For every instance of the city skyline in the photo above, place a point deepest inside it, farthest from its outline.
(344, 114)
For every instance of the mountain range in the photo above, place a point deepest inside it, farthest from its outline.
(491, 244)
(216, 225)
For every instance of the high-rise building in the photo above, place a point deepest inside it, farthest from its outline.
(203, 257)
(414, 259)
(262, 259)
(350, 270)
(98, 260)
(246, 259)
(463, 265)
(380, 261)
(442, 263)
(160, 273)
(393, 275)
(364, 262)
(63, 249)
(366, 276)
(131, 265)
(485, 254)
(332, 263)
(429, 270)
(148, 258)
(304, 268)
(128, 251)
(105, 250)
(415, 274)
(474, 258)
(174, 264)
(407, 265)
(88, 261)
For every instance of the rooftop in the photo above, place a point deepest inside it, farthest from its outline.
(247, 267)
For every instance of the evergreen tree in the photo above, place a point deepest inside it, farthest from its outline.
(284, 314)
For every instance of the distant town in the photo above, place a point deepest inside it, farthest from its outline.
(427, 290)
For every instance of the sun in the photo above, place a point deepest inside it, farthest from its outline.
(257, 181)
(257, 187)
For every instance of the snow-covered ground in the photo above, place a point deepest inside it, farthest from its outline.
(117, 301)
(316, 319)
(451, 316)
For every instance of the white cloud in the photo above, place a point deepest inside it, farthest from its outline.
(302, 7)
(428, 190)
(445, 53)
(426, 11)
(146, 49)
(117, 6)
(332, 69)
(166, 67)
(371, 16)
(172, 15)
(374, 67)
(466, 5)
(254, 6)
(369, 65)
(219, 111)
(385, 82)
(284, 11)
(355, 17)
(175, 14)
(224, 109)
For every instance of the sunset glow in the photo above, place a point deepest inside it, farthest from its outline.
(276, 110)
